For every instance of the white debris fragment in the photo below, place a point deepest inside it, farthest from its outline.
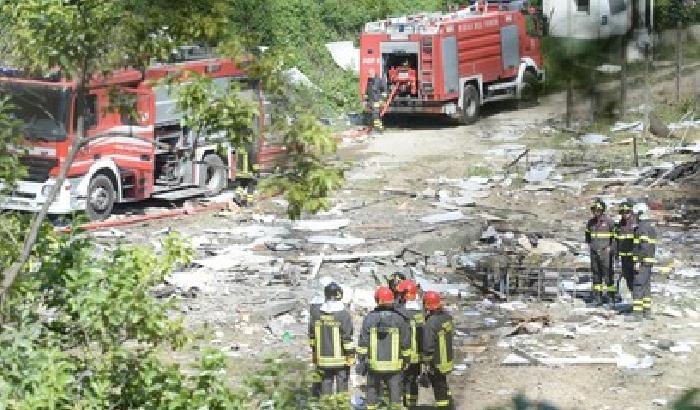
(627, 126)
(443, 217)
(594, 139)
(320, 225)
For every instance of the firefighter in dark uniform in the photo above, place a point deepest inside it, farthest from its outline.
(383, 350)
(438, 355)
(330, 335)
(600, 232)
(376, 95)
(625, 232)
(393, 283)
(644, 258)
(412, 310)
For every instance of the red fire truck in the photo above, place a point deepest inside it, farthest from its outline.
(452, 63)
(126, 159)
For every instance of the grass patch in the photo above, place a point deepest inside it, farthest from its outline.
(478, 171)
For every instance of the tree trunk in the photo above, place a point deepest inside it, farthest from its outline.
(569, 102)
(679, 58)
(623, 76)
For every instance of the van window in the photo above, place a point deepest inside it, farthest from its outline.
(617, 6)
(583, 6)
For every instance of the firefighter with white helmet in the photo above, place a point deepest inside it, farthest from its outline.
(330, 337)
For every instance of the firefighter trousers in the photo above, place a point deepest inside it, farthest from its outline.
(642, 289)
(410, 384)
(627, 266)
(441, 390)
(374, 388)
(601, 268)
(334, 381)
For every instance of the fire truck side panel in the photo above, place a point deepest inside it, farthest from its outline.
(450, 66)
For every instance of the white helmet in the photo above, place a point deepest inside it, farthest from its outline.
(640, 208)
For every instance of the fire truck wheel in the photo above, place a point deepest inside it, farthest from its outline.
(214, 175)
(529, 91)
(470, 105)
(100, 198)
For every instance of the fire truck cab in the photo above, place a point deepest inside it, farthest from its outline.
(125, 157)
(453, 63)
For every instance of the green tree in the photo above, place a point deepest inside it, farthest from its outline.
(83, 38)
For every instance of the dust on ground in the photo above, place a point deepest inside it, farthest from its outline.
(434, 200)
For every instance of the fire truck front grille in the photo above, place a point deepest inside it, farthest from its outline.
(38, 168)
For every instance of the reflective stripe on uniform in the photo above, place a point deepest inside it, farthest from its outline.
(445, 365)
(637, 305)
(391, 365)
(649, 260)
(348, 345)
(601, 234)
(646, 303)
(442, 403)
(337, 359)
(612, 288)
(598, 286)
(626, 253)
(361, 349)
(625, 236)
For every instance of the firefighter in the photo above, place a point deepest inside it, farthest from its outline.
(330, 336)
(437, 353)
(599, 236)
(412, 310)
(376, 95)
(625, 232)
(314, 314)
(383, 350)
(393, 282)
(644, 258)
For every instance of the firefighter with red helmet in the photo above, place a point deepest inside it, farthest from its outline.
(330, 337)
(600, 234)
(383, 350)
(437, 354)
(412, 310)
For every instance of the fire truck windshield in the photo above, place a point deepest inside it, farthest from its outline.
(44, 110)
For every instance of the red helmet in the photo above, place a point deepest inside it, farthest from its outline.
(383, 295)
(408, 288)
(432, 301)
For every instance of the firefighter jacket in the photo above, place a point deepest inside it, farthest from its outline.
(330, 335)
(600, 233)
(438, 332)
(625, 232)
(385, 340)
(645, 244)
(412, 311)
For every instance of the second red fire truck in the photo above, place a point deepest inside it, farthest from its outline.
(127, 159)
(451, 63)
